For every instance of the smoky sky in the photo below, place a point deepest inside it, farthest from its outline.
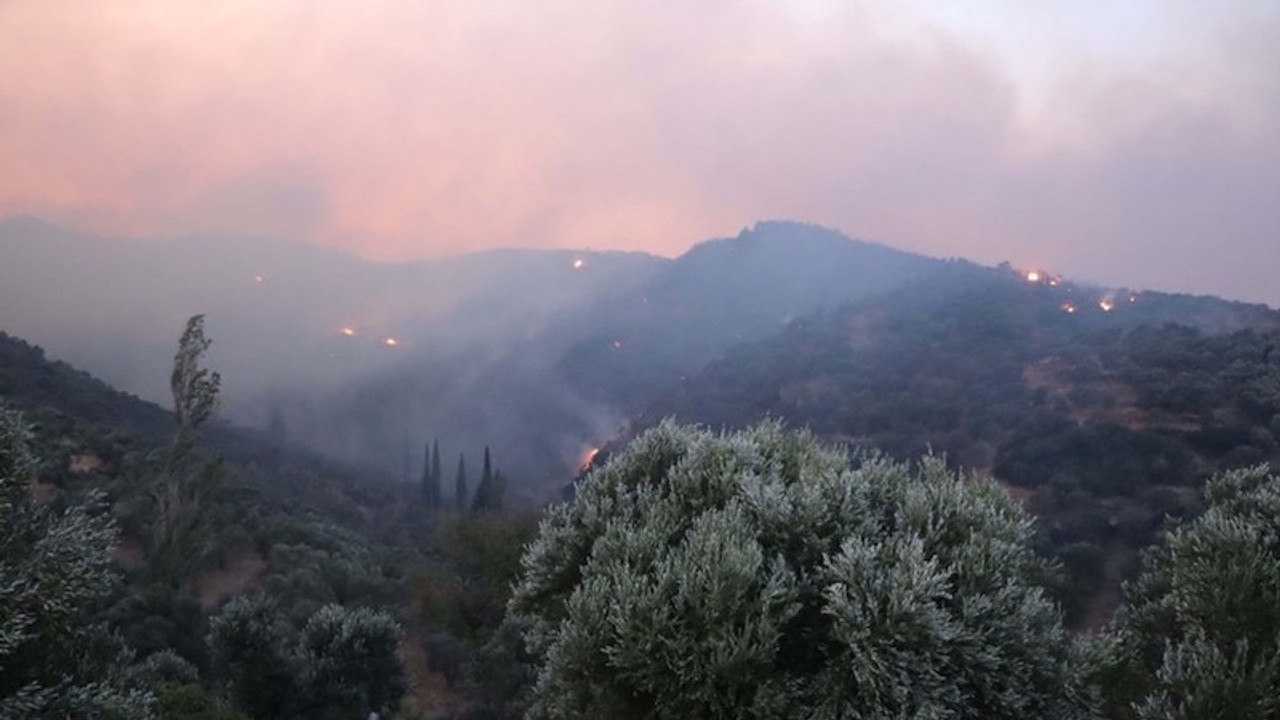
(1097, 143)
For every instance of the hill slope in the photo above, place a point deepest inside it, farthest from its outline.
(277, 309)
(1103, 410)
(544, 398)
(90, 435)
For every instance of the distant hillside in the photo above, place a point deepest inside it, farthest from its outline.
(1103, 409)
(30, 380)
(359, 360)
(722, 293)
(543, 399)
(286, 317)
(267, 516)
(90, 435)
(74, 399)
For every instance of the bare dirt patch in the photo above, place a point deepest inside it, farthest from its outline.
(85, 463)
(1122, 407)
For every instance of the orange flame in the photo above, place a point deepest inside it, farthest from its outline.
(1033, 276)
(589, 457)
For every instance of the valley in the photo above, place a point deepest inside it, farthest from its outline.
(1101, 411)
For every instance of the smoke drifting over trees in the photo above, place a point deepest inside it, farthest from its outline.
(537, 354)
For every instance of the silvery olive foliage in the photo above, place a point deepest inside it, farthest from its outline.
(252, 649)
(55, 567)
(350, 661)
(344, 662)
(757, 575)
(1199, 633)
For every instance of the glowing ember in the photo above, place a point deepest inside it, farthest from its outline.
(1033, 276)
(259, 278)
(579, 264)
(617, 344)
(1106, 305)
(1133, 298)
(390, 342)
(1053, 282)
(1068, 308)
(348, 331)
(589, 457)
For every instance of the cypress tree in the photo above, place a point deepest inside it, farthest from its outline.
(432, 496)
(460, 485)
(437, 480)
(484, 500)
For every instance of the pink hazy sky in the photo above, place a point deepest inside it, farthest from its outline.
(1134, 143)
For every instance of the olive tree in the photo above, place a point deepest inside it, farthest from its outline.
(55, 569)
(350, 662)
(344, 662)
(252, 649)
(758, 575)
(1199, 633)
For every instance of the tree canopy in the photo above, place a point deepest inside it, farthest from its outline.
(1199, 634)
(758, 574)
(55, 570)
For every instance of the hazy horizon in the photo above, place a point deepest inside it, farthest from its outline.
(1131, 145)
(358, 356)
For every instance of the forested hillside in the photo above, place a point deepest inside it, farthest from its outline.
(235, 574)
(208, 529)
(720, 294)
(547, 395)
(541, 354)
(1103, 410)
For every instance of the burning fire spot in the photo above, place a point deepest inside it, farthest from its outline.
(589, 457)
(259, 278)
(390, 342)
(1033, 276)
(1106, 305)
(579, 263)
(1133, 298)
(617, 344)
(1068, 308)
(348, 331)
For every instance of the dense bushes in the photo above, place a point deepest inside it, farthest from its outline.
(72, 620)
(758, 575)
(55, 570)
(343, 663)
(1089, 414)
(1199, 633)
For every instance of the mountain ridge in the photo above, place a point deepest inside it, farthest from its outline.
(1103, 411)
(541, 354)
